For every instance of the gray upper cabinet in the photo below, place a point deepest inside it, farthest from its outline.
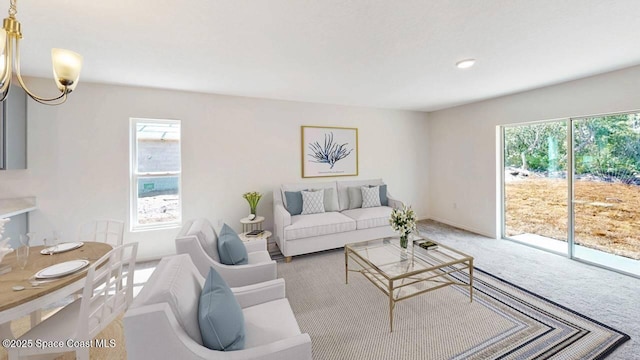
(13, 130)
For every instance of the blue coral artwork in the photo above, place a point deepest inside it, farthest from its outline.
(329, 151)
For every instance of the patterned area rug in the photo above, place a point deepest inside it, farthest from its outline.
(541, 328)
(504, 321)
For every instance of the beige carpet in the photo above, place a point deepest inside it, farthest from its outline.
(503, 322)
(113, 331)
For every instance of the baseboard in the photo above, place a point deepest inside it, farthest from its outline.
(463, 227)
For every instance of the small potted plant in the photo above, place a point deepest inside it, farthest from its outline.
(404, 222)
(252, 198)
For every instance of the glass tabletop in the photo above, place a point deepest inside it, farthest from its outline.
(388, 258)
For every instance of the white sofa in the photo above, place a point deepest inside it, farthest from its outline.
(162, 322)
(198, 239)
(302, 234)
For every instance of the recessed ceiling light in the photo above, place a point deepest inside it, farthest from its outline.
(466, 63)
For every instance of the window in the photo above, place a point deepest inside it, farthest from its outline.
(155, 174)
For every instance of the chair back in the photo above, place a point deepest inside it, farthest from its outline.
(177, 282)
(103, 230)
(108, 290)
(202, 230)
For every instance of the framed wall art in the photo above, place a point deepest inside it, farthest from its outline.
(329, 151)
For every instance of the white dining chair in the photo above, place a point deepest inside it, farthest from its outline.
(107, 294)
(102, 230)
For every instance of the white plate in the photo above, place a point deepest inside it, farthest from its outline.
(61, 269)
(61, 248)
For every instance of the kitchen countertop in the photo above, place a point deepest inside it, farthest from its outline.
(16, 206)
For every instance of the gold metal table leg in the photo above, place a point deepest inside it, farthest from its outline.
(471, 280)
(346, 266)
(391, 305)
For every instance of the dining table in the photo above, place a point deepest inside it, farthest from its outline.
(22, 294)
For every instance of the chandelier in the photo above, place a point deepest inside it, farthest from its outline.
(66, 64)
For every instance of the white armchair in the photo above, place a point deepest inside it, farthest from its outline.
(162, 322)
(199, 240)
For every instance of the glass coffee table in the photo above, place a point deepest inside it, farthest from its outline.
(402, 274)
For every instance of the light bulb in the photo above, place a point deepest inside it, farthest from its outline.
(3, 40)
(3, 45)
(66, 68)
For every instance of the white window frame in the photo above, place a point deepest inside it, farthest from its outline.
(135, 175)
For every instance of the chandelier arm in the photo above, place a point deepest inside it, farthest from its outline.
(5, 92)
(62, 96)
(61, 99)
(6, 74)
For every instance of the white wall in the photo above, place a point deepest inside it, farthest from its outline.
(462, 141)
(78, 154)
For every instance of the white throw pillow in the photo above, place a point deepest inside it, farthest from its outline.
(312, 202)
(370, 196)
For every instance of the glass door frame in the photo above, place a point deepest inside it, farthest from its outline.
(501, 209)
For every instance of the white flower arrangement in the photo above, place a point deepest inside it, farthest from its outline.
(404, 222)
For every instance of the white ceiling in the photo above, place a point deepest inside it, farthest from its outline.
(378, 53)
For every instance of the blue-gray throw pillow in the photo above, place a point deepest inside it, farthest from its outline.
(384, 200)
(294, 202)
(230, 247)
(219, 315)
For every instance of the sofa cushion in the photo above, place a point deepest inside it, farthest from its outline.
(203, 230)
(231, 248)
(269, 322)
(343, 192)
(293, 201)
(370, 196)
(177, 282)
(220, 317)
(369, 217)
(305, 226)
(312, 202)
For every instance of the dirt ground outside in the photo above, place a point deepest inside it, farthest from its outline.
(607, 214)
(158, 209)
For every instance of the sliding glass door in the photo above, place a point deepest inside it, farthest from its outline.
(607, 191)
(535, 185)
(601, 222)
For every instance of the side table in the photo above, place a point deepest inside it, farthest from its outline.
(265, 235)
(255, 224)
